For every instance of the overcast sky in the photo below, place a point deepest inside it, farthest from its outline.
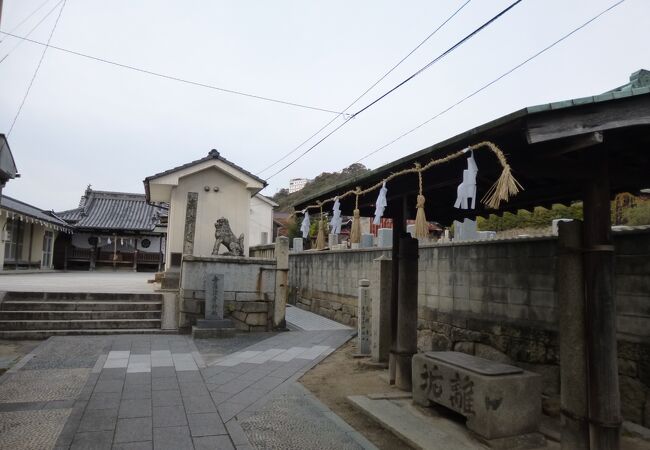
(88, 122)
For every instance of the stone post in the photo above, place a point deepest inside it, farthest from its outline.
(281, 281)
(407, 312)
(297, 244)
(366, 240)
(573, 353)
(333, 240)
(364, 308)
(190, 223)
(380, 316)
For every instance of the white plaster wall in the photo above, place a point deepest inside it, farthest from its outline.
(232, 201)
(261, 221)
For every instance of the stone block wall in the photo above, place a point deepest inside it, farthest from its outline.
(327, 282)
(249, 290)
(496, 299)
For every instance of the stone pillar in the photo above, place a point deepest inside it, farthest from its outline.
(333, 240)
(281, 281)
(407, 312)
(364, 308)
(190, 223)
(297, 244)
(380, 316)
(573, 353)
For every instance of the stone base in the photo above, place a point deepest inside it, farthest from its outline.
(214, 323)
(207, 333)
(521, 442)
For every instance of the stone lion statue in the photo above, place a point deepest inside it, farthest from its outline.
(225, 236)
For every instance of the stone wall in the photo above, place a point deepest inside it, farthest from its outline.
(249, 290)
(496, 299)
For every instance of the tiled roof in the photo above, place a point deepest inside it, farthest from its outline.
(213, 154)
(114, 210)
(16, 206)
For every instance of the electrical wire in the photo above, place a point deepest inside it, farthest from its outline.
(27, 18)
(428, 65)
(496, 80)
(30, 31)
(367, 90)
(171, 77)
(40, 61)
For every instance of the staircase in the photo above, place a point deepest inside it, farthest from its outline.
(37, 315)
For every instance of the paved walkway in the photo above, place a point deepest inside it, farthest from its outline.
(170, 392)
(109, 281)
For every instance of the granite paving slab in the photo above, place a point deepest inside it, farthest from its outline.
(158, 391)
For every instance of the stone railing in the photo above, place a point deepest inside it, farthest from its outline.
(262, 251)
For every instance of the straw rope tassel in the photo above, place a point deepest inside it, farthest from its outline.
(505, 187)
(355, 232)
(421, 224)
(320, 238)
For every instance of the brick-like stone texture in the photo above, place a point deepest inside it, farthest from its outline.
(495, 299)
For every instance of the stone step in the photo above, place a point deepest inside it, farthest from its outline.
(89, 296)
(78, 315)
(116, 324)
(23, 305)
(44, 334)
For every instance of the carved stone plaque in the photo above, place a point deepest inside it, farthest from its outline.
(190, 223)
(214, 298)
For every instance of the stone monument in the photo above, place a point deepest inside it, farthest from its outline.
(364, 309)
(214, 324)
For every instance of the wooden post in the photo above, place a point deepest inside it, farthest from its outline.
(398, 230)
(573, 352)
(407, 312)
(31, 243)
(115, 252)
(135, 255)
(602, 366)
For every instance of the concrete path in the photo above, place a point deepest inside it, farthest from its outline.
(115, 282)
(170, 392)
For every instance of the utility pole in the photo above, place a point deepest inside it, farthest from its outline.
(0, 12)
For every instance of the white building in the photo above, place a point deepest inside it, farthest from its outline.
(222, 188)
(261, 229)
(295, 184)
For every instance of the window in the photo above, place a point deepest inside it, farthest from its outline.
(14, 241)
(48, 239)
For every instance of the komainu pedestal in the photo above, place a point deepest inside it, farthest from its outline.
(499, 401)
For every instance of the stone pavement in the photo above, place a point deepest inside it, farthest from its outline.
(170, 392)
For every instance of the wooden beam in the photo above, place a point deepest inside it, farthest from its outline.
(577, 143)
(558, 124)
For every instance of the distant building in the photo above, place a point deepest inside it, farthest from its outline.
(28, 235)
(7, 165)
(115, 229)
(295, 184)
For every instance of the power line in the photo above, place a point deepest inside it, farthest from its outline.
(439, 57)
(428, 65)
(38, 24)
(171, 77)
(503, 75)
(40, 61)
(367, 90)
(27, 18)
